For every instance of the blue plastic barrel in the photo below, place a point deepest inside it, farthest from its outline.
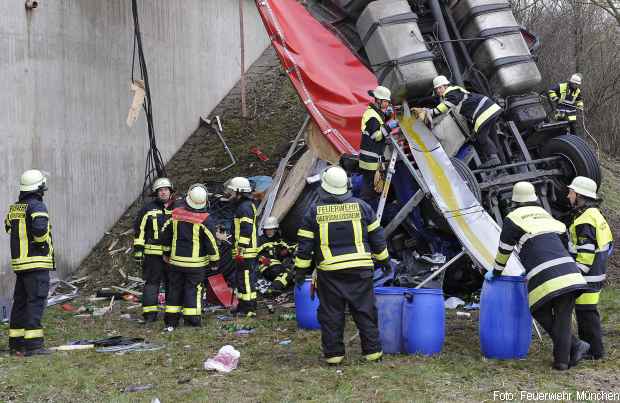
(424, 320)
(505, 320)
(389, 302)
(306, 307)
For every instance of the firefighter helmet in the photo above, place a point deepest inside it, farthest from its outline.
(584, 186)
(335, 181)
(239, 184)
(575, 79)
(271, 223)
(162, 183)
(381, 92)
(439, 81)
(524, 192)
(197, 196)
(32, 180)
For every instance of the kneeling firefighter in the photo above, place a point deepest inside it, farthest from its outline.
(274, 257)
(553, 279)
(590, 241)
(32, 258)
(342, 235)
(190, 248)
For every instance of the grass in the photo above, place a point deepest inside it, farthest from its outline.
(272, 372)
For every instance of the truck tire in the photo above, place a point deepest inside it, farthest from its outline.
(468, 176)
(577, 155)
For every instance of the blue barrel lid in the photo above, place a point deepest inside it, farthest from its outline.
(436, 291)
(390, 290)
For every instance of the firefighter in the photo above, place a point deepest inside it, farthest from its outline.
(147, 249)
(567, 99)
(245, 244)
(590, 241)
(553, 279)
(189, 246)
(32, 258)
(376, 124)
(342, 236)
(480, 111)
(272, 257)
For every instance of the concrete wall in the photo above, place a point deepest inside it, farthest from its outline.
(65, 69)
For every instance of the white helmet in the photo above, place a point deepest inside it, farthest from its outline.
(239, 184)
(335, 181)
(381, 93)
(271, 223)
(32, 180)
(584, 186)
(162, 183)
(524, 192)
(439, 81)
(197, 196)
(575, 79)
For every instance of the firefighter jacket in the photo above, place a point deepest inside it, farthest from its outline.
(340, 232)
(147, 227)
(477, 109)
(245, 226)
(535, 236)
(568, 100)
(187, 238)
(273, 251)
(590, 240)
(28, 225)
(373, 139)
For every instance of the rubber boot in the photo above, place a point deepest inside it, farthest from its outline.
(578, 351)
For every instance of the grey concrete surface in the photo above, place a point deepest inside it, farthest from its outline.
(65, 69)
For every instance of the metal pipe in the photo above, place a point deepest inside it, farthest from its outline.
(445, 36)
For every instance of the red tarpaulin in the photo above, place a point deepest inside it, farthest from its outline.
(331, 82)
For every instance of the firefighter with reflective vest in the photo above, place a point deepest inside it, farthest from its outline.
(568, 100)
(147, 249)
(480, 111)
(376, 126)
(341, 237)
(245, 245)
(190, 248)
(590, 242)
(553, 279)
(32, 258)
(274, 256)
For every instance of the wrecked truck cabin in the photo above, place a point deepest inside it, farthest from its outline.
(444, 208)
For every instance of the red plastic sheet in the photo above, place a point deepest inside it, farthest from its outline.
(331, 82)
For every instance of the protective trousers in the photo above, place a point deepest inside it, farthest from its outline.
(336, 289)
(589, 323)
(246, 286)
(29, 301)
(555, 318)
(484, 138)
(154, 272)
(184, 296)
(367, 192)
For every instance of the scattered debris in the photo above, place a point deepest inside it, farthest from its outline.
(287, 316)
(226, 360)
(224, 317)
(131, 348)
(61, 291)
(73, 347)
(70, 308)
(138, 388)
(285, 342)
(261, 156)
(244, 332)
(184, 380)
(460, 314)
(472, 307)
(216, 125)
(453, 302)
(112, 244)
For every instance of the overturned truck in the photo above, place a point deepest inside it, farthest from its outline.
(443, 210)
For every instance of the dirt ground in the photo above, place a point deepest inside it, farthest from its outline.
(274, 118)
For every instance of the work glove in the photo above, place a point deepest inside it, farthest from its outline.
(264, 260)
(284, 253)
(239, 259)
(392, 124)
(489, 276)
(138, 256)
(389, 111)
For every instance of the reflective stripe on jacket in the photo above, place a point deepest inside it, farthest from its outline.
(373, 142)
(550, 270)
(566, 95)
(340, 234)
(147, 227)
(187, 238)
(476, 108)
(246, 238)
(590, 239)
(28, 225)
